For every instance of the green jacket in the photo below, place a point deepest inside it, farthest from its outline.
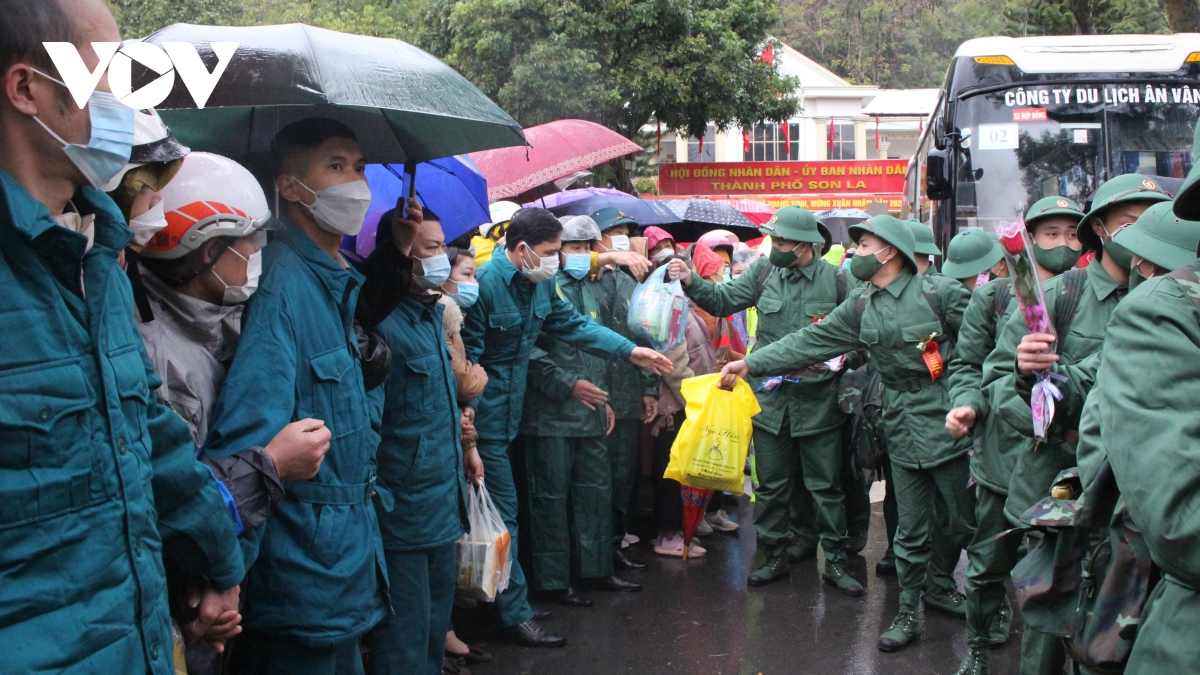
(627, 383)
(555, 367)
(500, 332)
(1037, 464)
(98, 479)
(992, 458)
(787, 300)
(889, 323)
(1143, 407)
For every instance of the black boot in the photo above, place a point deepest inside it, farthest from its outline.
(533, 634)
(625, 563)
(613, 584)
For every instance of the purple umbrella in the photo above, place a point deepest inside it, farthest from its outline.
(568, 196)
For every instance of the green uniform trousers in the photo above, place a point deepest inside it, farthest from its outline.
(919, 495)
(623, 455)
(569, 483)
(512, 604)
(258, 653)
(807, 463)
(944, 558)
(413, 640)
(988, 565)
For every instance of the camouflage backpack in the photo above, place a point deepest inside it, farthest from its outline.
(860, 395)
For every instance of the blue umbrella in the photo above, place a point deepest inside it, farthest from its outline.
(452, 187)
(644, 211)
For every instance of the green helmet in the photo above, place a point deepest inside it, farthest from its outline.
(924, 238)
(797, 224)
(1052, 206)
(971, 253)
(606, 219)
(1129, 187)
(892, 230)
(1162, 237)
(579, 228)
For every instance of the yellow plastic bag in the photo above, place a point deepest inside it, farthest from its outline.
(710, 451)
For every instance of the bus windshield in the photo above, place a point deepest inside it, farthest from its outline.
(1023, 143)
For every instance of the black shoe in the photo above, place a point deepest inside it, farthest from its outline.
(569, 597)
(625, 563)
(533, 634)
(614, 584)
(886, 567)
(542, 614)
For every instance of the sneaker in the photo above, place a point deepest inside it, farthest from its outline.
(999, 630)
(835, 575)
(773, 569)
(946, 601)
(906, 627)
(630, 540)
(703, 529)
(674, 547)
(720, 521)
(695, 550)
(976, 663)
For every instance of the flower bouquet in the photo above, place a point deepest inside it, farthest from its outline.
(1018, 249)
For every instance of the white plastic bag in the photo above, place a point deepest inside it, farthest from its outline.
(658, 311)
(483, 563)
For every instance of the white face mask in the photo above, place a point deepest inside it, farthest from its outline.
(148, 224)
(620, 243)
(547, 267)
(340, 209)
(239, 294)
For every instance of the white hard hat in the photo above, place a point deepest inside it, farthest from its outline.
(502, 211)
(211, 196)
(152, 142)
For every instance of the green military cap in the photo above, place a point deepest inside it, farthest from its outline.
(1052, 206)
(924, 238)
(797, 224)
(1129, 187)
(606, 219)
(1162, 237)
(970, 254)
(891, 230)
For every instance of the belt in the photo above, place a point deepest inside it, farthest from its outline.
(344, 495)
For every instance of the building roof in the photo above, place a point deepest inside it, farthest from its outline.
(902, 103)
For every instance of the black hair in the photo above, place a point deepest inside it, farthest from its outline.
(293, 143)
(428, 214)
(532, 226)
(453, 253)
(463, 241)
(25, 25)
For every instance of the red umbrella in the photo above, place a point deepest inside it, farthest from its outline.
(558, 150)
(757, 211)
(695, 503)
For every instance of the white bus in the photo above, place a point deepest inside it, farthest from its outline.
(1019, 119)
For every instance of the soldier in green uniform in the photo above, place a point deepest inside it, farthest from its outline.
(565, 424)
(633, 392)
(1052, 223)
(1079, 304)
(908, 324)
(970, 254)
(797, 436)
(925, 250)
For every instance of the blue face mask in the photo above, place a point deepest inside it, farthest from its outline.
(111, 143)
(578, 264)
(468, 293)
(436, 271)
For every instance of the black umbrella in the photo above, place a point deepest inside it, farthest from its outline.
(702, 215)
(839, 221)
(402, 103)
(645, 211)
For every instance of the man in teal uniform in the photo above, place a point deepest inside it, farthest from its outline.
(517, 302)
(98, 480)
(1079, 304)
(908, 324)
(797, 436)
(564, 430)
(319, 582)
(1052, 223)
(632, 392)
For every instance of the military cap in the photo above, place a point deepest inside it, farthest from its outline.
(606, 219)
(1129, 187)
(1052, 206)
(1162, 237)
(923, 237)
(795, 223)
(891, 230)
(971, 253)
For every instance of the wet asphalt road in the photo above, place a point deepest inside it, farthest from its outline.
(701, 618)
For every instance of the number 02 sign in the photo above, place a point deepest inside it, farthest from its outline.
(997, 137)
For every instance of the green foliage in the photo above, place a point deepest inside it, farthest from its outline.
(139, 18)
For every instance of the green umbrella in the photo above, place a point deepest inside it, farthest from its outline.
(403, 104)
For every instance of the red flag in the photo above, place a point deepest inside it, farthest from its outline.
(768, 54)
(920, 123)
(877, 133)
(830, 135)
(658, 135)
(746, 140)
(786, 140)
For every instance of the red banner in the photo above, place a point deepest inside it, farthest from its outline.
(851, 177)
(810, 202)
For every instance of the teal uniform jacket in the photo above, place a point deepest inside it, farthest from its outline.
(627, 383)
(1038, 464)
(98, 480)
(320, 574)
(995, 439)
(787, 300)
(1144, 418)
(500, 332)
(894, 320)
(420, 456)
(555, 367)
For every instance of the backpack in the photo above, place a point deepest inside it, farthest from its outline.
(860, 395)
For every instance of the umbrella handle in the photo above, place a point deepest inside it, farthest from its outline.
(410, 168)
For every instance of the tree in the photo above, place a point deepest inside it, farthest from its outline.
(621, 63)
(139, 18)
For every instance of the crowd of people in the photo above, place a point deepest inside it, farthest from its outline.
(226, 445)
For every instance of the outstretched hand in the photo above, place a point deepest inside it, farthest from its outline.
(644, 357)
